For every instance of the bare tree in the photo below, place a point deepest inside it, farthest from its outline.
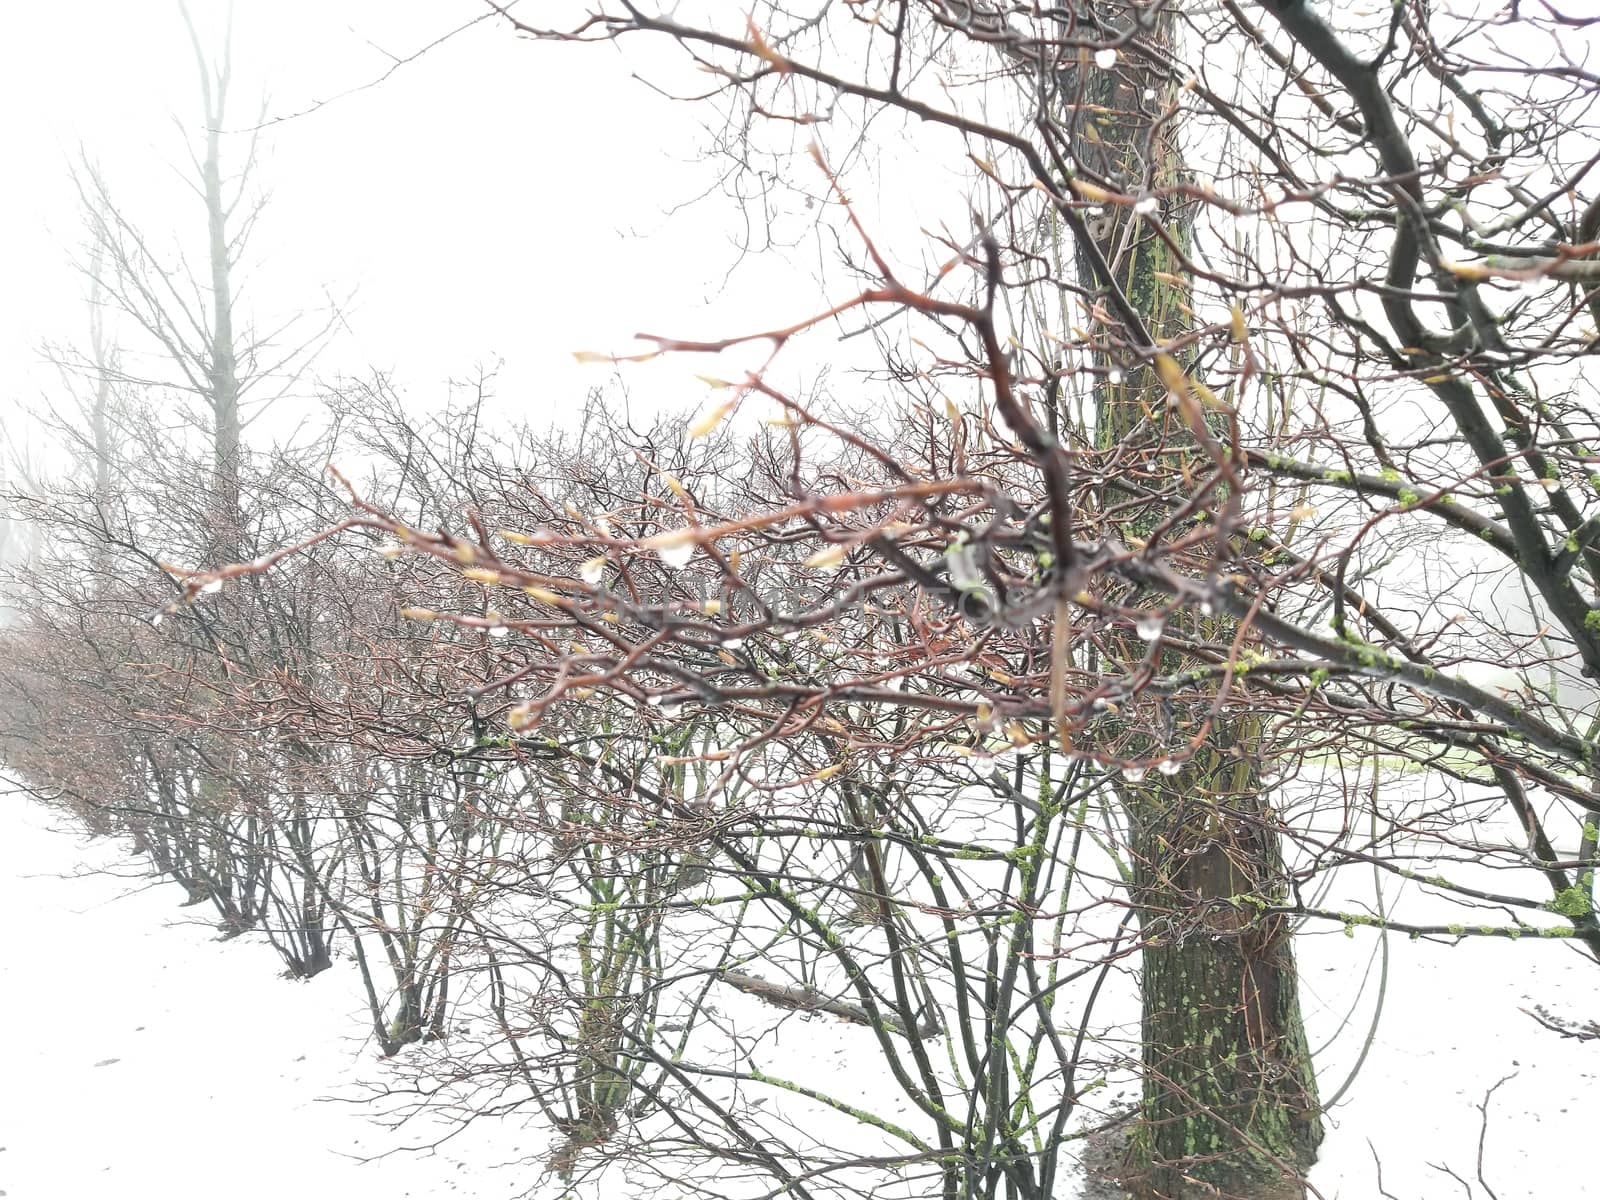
(1217, 533)
(202, 344)
(1200, 498)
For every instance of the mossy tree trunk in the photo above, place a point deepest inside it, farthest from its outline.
(1229, 1097)
(1229, 1094)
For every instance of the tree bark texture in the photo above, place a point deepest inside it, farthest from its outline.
(1229, 1095)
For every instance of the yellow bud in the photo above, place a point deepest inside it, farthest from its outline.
(1089, 191)
(1207, 396)
(1171, 373)
(828, 556)
(672, 539)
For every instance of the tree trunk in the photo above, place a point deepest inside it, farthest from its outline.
(104, 364)
(222, 366)
(1229, 1095)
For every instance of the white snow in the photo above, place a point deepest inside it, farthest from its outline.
(142, 1058)
(145, 1059)
(1450, 1028)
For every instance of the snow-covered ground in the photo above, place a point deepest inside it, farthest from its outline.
(1450, 1028)
(141, 1058)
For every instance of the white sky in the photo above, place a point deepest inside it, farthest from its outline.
(494, 199)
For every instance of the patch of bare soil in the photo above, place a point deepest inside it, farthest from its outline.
(1104, 1161)
(1106, 1175)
